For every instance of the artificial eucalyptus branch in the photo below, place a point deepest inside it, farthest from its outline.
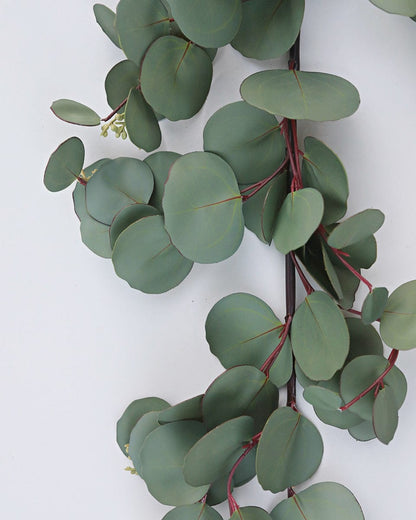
(156, 218)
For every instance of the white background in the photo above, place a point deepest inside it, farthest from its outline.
(77, 344)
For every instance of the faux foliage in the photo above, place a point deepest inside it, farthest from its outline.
(156, 217)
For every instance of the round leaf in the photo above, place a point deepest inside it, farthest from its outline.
(374, 305)
(385, 415)
(144, 256)
(242, 390)
(132, 414)
(141, 122)
(260, 211)
(241, 329)
(176, 77)
(322, 170)
(398, 323)
(139, 23)
(119, 81)
(356, 228)
(118, 183)
(64, 165)
(144, 426)
(319, 502)
(363, 431)
(301, 95)
(127, 216)
(247, 138)
(298, 218)
(337, 418)
(289, 452)
(320, 338)
(106, 19)
(193, 512)
(189, 409)
(160, 164)
(364, 339)
(250, 513)
(210, 24)
(162, 458)
(269, 27)
(202, 206)
(75, 113)
(217, 451)
(321, 397)
(363, 254)
(404, 7)
(362, 372)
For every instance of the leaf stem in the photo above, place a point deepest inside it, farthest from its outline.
(231, 500)
(259, 185)
(272, 358)
(114, 112)
(392, 360)
(308, 287)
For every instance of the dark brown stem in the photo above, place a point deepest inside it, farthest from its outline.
(114, 112)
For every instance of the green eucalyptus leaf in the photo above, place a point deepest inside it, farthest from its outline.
(363, 432)
(298, 218)
(144, 426)
(139, 23)
(118, 183)
(331, 272)
(322, 170)
(356, 228)
(364, 339)
(242, 390)
(162, 459)
(106, 19)
(141, 122)
(247, 138)
(75, 113)
(301, 95)
(362, 372)
(281, 370)
(64, 165)
(210, 24)
(320, 502)
(218, 492)
(321, 397)
(374, 305)
(320, 338)
(176, 77)
(214, 454)
(191, 409)
(119, 81)
(362, 254)
(202, 207)
(403, 7)
(199, 511)
(246, 470)
(250, 513)
(385, 415)
(289, 452)
(132, 414)
(144, 256)
(241, 329)
(260, 211)
(160, 164)
(343, 420)
(398, 323)
(269, 27)
(127, 216)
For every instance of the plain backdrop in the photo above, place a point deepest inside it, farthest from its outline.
(78, 345)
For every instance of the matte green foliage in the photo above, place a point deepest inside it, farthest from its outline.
(190, 409)
(74, 112)
(64, 165)
(374, 305)
(299, 216)
(398, 323)
(320, 338)
(127, 216)
(385, 415)
(290, 450)
(210, 24)
(176, 77)
(106, 19)
(404, 7)
(162, 458)
(249, 139)
(141, 122)
(301, 95)
(160, 164)
(319, 502)
(250, 513)
(193, 512)
(269, 27)
(119, 81)
(202, 207)
(144, 256)
(356, 228)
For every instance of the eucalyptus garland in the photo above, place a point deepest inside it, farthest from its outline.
(156, 218)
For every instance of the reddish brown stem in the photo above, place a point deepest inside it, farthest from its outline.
(114, 112)
(392, 360)
(259, 185)
(272, 358)
(231, 500)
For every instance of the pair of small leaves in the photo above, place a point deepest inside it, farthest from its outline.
(241, 329)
